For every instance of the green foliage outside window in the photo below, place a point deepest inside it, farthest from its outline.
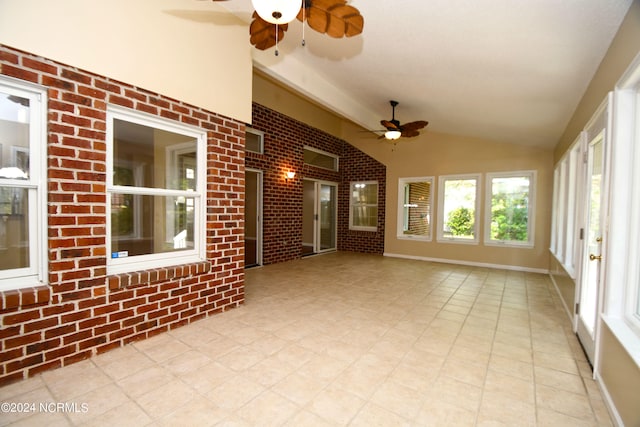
(509, 218)
(460, 222)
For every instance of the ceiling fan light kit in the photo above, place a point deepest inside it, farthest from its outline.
(277, 11)
(394, 130)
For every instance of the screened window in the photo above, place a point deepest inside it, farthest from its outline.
(254, 140)
(155, 185)
(321, 159)
(510, 201)
(363, 214)
(22, 197)
(414, 208)
(458, 208)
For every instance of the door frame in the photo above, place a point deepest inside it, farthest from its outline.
(259, 201)
(316, 215)
(598, 127)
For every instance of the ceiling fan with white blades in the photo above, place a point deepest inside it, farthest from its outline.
(271, 18)
(394, 130)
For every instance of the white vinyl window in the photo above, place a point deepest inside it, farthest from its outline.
(415, 201)
(155, 183)
(622, 308)
(321, 159)
(254, 140)
(363, 206)
(458, 208)
(509, 207)
(22, 185)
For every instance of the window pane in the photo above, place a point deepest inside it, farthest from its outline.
(459, 208)
(510, 209)
(315, 158)
(142, 225)
(14, 128)
(254, 140)
(153, 158)
(14, 228)
(417, 208)
(364, 205)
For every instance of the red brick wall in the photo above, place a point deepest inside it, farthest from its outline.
(360, 167)
(284, 141)
(83, 311)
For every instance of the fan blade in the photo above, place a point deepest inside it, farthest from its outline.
(389, 125)
(414, 125)
(335, 18)
(409, 133)
(263, 33)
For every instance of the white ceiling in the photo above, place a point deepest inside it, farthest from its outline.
(504, 70)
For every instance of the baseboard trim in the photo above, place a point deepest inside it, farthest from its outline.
(469, 263)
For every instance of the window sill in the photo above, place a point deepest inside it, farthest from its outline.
(144, 277)
(24, 297)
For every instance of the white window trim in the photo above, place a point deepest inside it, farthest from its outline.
(36, 274)
(145, 262)
(377, 204)
(622, 275)
(532, 175)
(336, 158)
(441, 219)
(400, 219)
(260, 135)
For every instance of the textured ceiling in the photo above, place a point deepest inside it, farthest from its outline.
(505, 70)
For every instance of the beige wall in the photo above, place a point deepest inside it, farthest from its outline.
(188, 50)
(432, 154)
(624, 47)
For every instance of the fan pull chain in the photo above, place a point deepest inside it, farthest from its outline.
(276, 40)
(304, 10)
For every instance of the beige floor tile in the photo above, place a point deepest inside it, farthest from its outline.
(456, 393)
(145, 381)
(75, 380)
(510, 387)
(206, 377)
(437, 412)
(165, 399)
(39, 419)
(21, 387)
(571, 404)
(32, 400)
(305, 418)
(124, 361)
(550, 418)
(269, 371)
(189, 361)
(299, 389)
(235, 392)
(268, 409)
(499, 408)
(398, 398)
(464, 371)
(372, 415)
(560, 380)
(98, 402)
(336, 406)
(127, 414)
(199, 411)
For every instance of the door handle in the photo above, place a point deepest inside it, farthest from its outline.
(593, 257)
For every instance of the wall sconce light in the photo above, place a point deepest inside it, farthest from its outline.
(290, 175)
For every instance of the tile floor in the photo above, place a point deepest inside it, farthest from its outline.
(344, 339)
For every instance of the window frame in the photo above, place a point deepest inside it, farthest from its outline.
(260, 135)
(622, 274)
(163, 259)
(352, 206)
(336, 159)
(36, 273)
(440, 237)
(490, 176)
(402, 182)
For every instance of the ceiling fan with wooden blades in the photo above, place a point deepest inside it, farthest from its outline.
(271, 18)
(394, 130)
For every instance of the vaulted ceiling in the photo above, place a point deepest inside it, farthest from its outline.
(505, 70)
